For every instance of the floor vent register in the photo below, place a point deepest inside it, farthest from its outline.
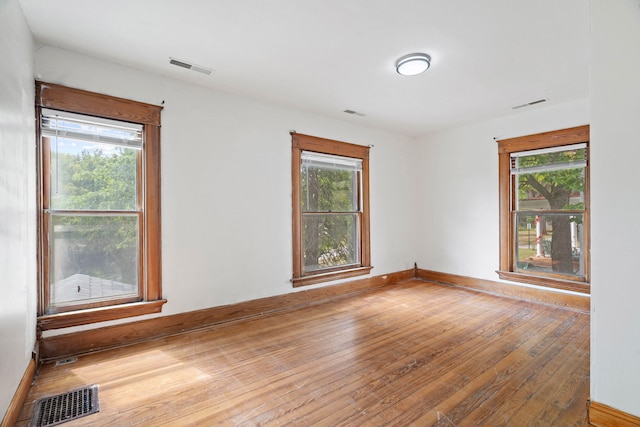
(54, 410)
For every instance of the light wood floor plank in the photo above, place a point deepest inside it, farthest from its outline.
(414, 353)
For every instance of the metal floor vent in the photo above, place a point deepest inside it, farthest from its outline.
(54, 410)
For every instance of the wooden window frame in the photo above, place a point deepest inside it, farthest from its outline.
(78, 101)
(299, 143)
(575, 135)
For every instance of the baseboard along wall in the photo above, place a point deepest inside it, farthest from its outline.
(13, 411)
(134, 332)
(579, 302)
(605, 416)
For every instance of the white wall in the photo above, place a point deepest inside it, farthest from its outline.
(17, 201)
(226, 184)
(615, 153)
(458, 228)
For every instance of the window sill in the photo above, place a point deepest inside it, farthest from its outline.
(547, 282)
(101, 314)
(326, 277)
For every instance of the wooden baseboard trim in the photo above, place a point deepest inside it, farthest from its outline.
(605, 416)
(134, 332)
(576, 302)
(13, 412)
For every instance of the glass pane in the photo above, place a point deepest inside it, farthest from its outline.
(92, 176)
(93, 258)
(555, 190)
(86, 128)
(330, 240)
(550, 243)
(327, 189)
(560, 188)
(551, 158)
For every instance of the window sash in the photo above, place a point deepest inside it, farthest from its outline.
(82, 275)
(532, 253)
(329, 161)
(347, 254)
(344, 198)
(60, 124)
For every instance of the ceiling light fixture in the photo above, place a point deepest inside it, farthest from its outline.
(413, 64)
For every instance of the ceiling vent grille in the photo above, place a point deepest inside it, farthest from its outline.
(355, 113)
(190, 66)
(528, 104)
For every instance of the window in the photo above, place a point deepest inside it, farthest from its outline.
(330, 210)
(99, 221)
(544, 209)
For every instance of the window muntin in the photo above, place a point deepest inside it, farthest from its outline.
(331, 219)
(544, 209)
(97, 227)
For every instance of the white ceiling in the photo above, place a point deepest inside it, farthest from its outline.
(325, 56)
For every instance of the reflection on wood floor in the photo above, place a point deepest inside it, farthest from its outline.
(414, 353)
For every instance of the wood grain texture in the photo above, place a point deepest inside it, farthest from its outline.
(605, 416)
(414, 353)
(133, 332)
(546, 281)
(577, 302)
(20, 396)
(504, 201)
(152, 236)
(50, 95)
(100, 314)
(556, 138)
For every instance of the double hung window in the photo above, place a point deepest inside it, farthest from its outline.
(545, 217)
(99, 208)
(331, 219)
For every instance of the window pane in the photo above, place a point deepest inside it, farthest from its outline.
(555, 190)
(550, 243)
(93, 258)
(87, 128)
(551, 159)
(328, 189)
(330, 240)
(92, 176)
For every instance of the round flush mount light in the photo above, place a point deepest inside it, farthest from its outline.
(413, 64)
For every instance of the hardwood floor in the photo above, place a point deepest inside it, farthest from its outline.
(414, 353)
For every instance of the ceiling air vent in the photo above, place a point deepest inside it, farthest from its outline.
(189, 66)
(355, 113)
(528, 104)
